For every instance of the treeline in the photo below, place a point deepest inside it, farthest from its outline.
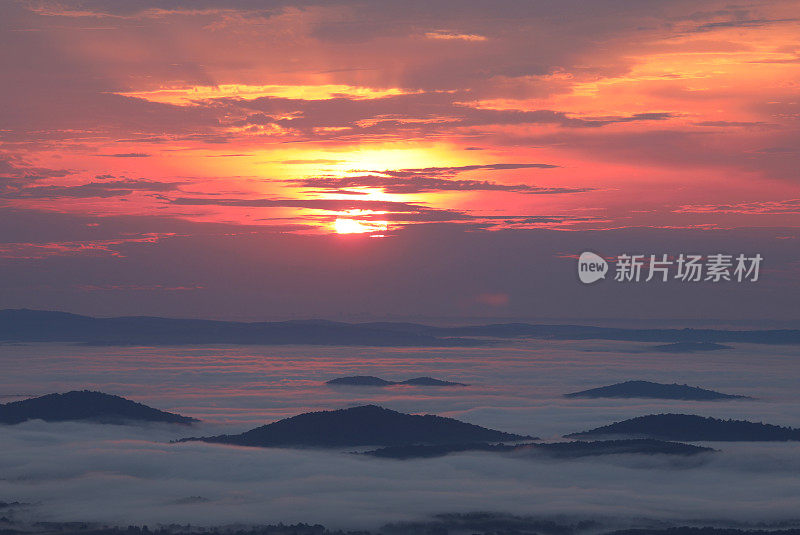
(456, 524)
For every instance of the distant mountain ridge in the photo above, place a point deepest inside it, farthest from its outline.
(85, 405)
(689, 427)
(648, 389)
(370, 380)
(42, 326)
(366, 425)
(22, 325)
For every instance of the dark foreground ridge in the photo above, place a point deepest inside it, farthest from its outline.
(560, 450)
(686, 530)
(22, 325)
(369, 380)
(85, 405)
(692, 428)
(647, 389)
(484, 523)
(368, 425)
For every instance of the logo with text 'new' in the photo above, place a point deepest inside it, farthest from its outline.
(718, 267)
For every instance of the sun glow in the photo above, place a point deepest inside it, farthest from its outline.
(187, 95)
(354, 226)
(394, 156)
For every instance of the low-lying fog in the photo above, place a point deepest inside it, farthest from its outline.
(118, 474)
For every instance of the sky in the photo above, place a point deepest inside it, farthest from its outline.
(439, 161)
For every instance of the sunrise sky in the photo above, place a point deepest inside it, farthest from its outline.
(270, 159)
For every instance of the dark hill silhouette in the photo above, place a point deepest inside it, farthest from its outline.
(367, 425)
(562, 450)
(22, 325)
(693, 530)
(689, 347)
(360, 380)
(692, 428)
(476, 523)
(369, 380)
(429, 381)
(85, 405)
(647, 389)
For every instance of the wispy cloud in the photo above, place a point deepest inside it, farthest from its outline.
(111, 188)
(431, 179)
(444, 35)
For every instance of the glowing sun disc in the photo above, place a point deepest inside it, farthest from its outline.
(353, 226)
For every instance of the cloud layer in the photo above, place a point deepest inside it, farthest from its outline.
(75, 471)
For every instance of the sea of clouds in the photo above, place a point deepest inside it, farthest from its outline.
(133, 474)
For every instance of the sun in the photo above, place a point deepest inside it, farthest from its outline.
(353, 226)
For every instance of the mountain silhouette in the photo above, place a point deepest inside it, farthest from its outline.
(692, 428)
(707, 530)
(360, 380)
(23, 325)
(367, 425)
(369, 380)
(648, 389)
(43, 326)
(475, 523)
(85, 405)
(562, 450)
(429, 381)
